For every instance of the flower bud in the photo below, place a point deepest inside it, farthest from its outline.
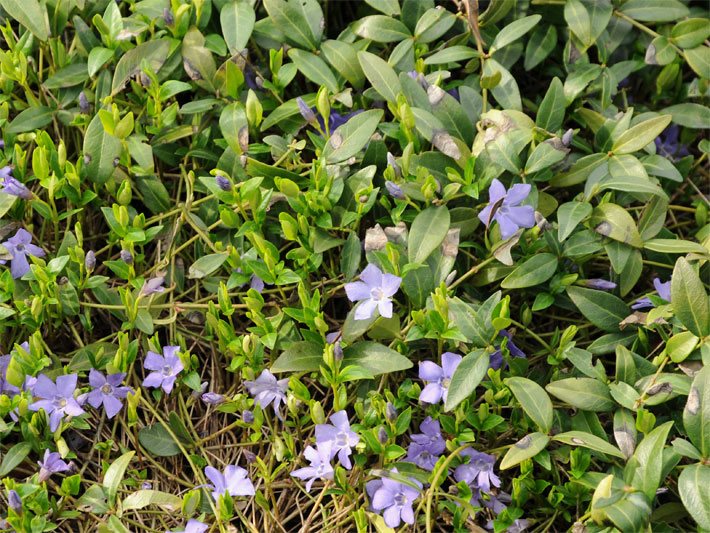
(247, 416)
(394, 190)
(391, 412)
(15, 501)
(382, 435)
(567, 137)
(127, 257)
(83, 103)
(306, 112)
(223, 183)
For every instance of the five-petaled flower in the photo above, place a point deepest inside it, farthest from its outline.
(153, 285)
(478, 472)
(340, 436)
(19, 247)
(12, 186)
(438, 377)
(267, 390)
(496, 359)
(233, 481)
(394, 498)
(107, 391)
(50, 464)
(194, 526)
(663, 290)
(427, 446)
(375, 290)
(320, 467)
(57, 399)
(504, 207)
(165, 368)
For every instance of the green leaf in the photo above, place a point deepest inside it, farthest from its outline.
(206, 265)
(237, 22)
(32, 118)
(638, 184)
(587, 440)
(656, 165)
(381, 29)
(303, 356)
(299, 20)
(527, 447)
(583, 393)
(693, 484)
(674, 246)
(639, 136)
(690, 301)
(506, 91)
(578, 20)
(380, 75)
(690, 33)
(375, 358)
(427, 233)
(232, 121)
(154, 52)
(514, 31)
(157, 441)
(646, 465)
(543, 156)
(534, 401)
(14, 457)
(348, 139)
(471, 370)
(98, 57)
(155, 195)
(615, 222)
(551, 112)
(654, 10)
(388, 7)
(475, 322)
(538, 269)
(569, 216)
(114, 476)
(68, 76)
(451, 54)
(602, 309)
(141, 499)
(699, 59)
(580, 170)
(343, 58)
(433, 24)
(541, 43)
(314, 68)
(101, 149)
(31, 14)
(696, 415)
(690, 115)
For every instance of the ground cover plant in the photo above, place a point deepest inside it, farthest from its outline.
(289, 265)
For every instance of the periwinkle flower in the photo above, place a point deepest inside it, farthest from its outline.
(83, 103)
(394, 190)
(478, 472)
(13, 186)
(341, 438)
(153, 286)
(427, 446)
(663, 290)
(247, 416)
(256, 283)
(497, 502)
(14, 501)
(668, 144)
(223, 183)
(90, 261)
(19, 247)
(438, 377)
(107, 391)
(212, 398)
(267, 390)
(193, 526)
(496, 359)
(306, 112)
(334, 339)
(504, 207)
(375, 290)
(6, 387)
(51, 463)
(57, 399)
(126, 257)
(395, 500)
(165, 368)
(320, 467)
(599, 284)
(392, 162)
(233, 481)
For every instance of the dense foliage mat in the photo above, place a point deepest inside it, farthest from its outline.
(300, 265)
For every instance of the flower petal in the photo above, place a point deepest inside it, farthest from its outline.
(523, 216)
(365, 309)
(430, 371)
(432, 393)
(357, 290)
(517, 193)
(449, 363)
(496, 191)
(372, 275)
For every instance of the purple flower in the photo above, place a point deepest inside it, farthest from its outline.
(126, 257)
(394, 190)
(504, 207)
(663, 290)
(83, 103)
(6, 387)
(194, 526)
(247, 416)
(392, 162)
(19, 247)
(12, 186)
(395, 499)
(668, 144)
(57, 399)
(223, 183)
(496, 359)
(212, 398)
(497, 502)
(267, 390)
(153, 285)
(478, 472)
(437, 377)
(90, 260)
(340, 437)
(376, 289)
(14, 501)
(256, 283)
(165, 368)
(334, 339)
(51, 464)
(427, 446)
(599, 284)
(320, 467)
(306, 112)
(234, 481)
(107, 391)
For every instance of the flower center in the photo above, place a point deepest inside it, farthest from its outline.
(446, 382)
(167, 370)
(400, 499)
(20, 247)
(377, 294)
(106, 389)
(341, 439)
(60, 403)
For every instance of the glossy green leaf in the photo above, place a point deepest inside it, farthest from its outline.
(615, 222)
(693, 483)
(13, 457)
(691, 32)
(569, 216)
(690, 301)
(302, 356)
(31, 14)
(646, 465)
(587, 440)
(141, 499)
(583, 393)
(206, 265)
(101, 150)
(154, 53)
(348, 139)
(343, 58)
(381, 29)
(534, 401)
(690, 115)
(527, 447)
(314, 68)
(536, 270)
(157, 441)
(380, 75)
(637, 137)
(602, 309)
(654, 10)
(514, 31)
(696, 415)
(114, 475)
(427, 233)
(301, 21)
(552, 108)
(375, 358)
(467, 377)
